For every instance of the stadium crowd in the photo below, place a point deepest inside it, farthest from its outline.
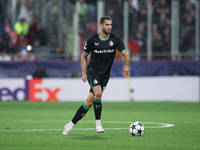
(28, 40)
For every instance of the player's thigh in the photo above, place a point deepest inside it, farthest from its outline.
(97, 91)
(104, 81)
(93, 78)
(95, 84)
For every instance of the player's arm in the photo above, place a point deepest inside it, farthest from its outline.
(126, 70)
(83, 66)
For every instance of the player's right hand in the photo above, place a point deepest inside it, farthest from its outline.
(84, 77)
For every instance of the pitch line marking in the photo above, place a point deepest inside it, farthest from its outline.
(161, 125)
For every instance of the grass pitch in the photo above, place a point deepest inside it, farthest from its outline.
(39, 125)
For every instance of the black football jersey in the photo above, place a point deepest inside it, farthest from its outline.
(103, 52)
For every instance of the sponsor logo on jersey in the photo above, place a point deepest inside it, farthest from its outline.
(111, 43)
(104, 51)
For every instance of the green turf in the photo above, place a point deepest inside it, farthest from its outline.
(20, 123)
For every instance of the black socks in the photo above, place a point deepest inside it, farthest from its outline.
(80, 113)
(84, 109)
(97, 108)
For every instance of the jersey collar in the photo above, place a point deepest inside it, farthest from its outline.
(101, 38)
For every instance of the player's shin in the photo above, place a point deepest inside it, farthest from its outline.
(80, 113)
(97, 108)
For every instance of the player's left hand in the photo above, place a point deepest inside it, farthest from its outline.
(125, 71)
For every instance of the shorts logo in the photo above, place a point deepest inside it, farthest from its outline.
(95, 81)
(111, 43)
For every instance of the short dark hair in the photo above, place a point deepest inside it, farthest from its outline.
(22, 19)
(105, 18)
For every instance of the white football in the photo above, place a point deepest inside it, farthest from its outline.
(136, 128)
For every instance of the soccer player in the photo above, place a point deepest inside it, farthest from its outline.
(102, 47)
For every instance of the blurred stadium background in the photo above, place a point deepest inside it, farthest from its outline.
(44, 39)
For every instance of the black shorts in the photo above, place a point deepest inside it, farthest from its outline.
(95, 79)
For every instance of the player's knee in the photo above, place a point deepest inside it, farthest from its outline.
(98, 94)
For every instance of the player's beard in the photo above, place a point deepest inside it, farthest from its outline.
(104, 30)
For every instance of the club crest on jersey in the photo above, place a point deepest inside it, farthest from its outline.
(111, 43)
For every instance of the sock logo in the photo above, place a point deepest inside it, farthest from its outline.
(83, 114)
(97, 106)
